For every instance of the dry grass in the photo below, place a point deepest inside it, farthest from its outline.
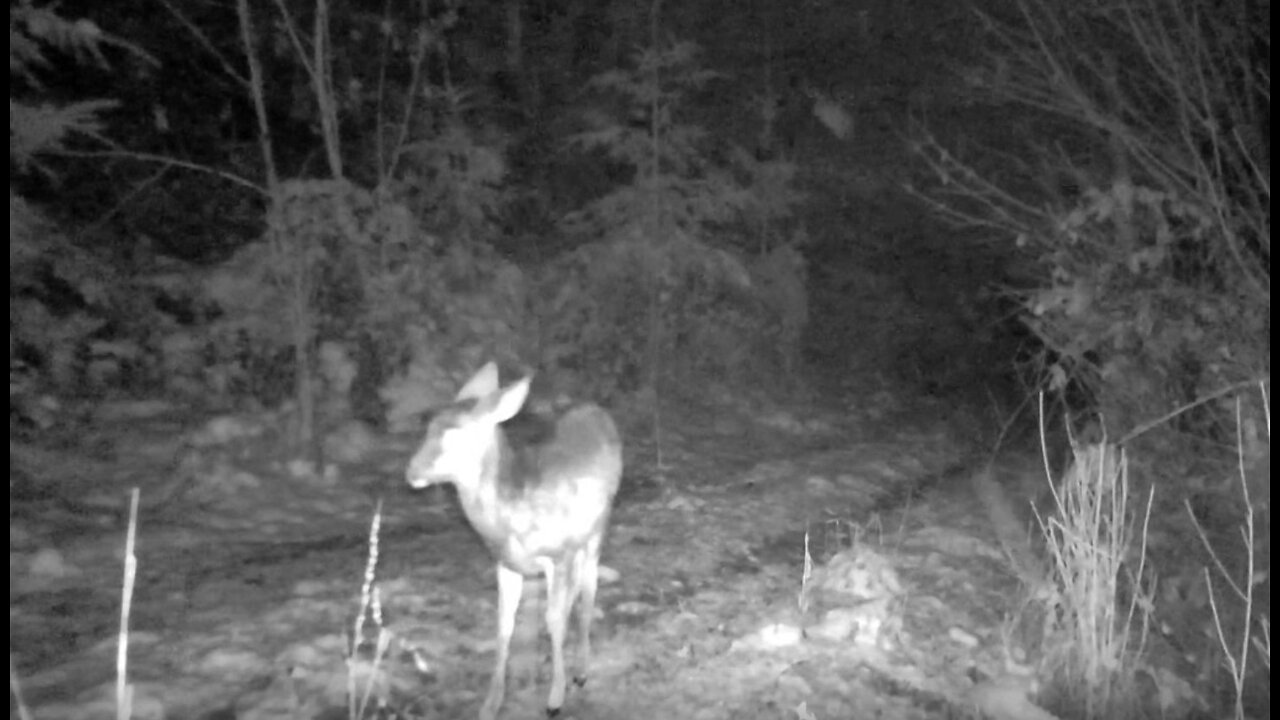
(1097, 548)
(367, 684)
(1096, 622)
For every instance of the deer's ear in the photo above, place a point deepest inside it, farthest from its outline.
(483, 383)
(509, 400)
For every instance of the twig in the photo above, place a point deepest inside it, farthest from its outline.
(15, 689)
(124, 691)
(163, 160)
(1139, 430)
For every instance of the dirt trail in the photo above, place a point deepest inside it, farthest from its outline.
(248, 587)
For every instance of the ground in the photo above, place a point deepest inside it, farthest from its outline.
(249, 575)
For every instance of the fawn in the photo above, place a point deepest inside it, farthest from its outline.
(541, 505)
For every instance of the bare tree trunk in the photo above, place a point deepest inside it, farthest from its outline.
(282, 246)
